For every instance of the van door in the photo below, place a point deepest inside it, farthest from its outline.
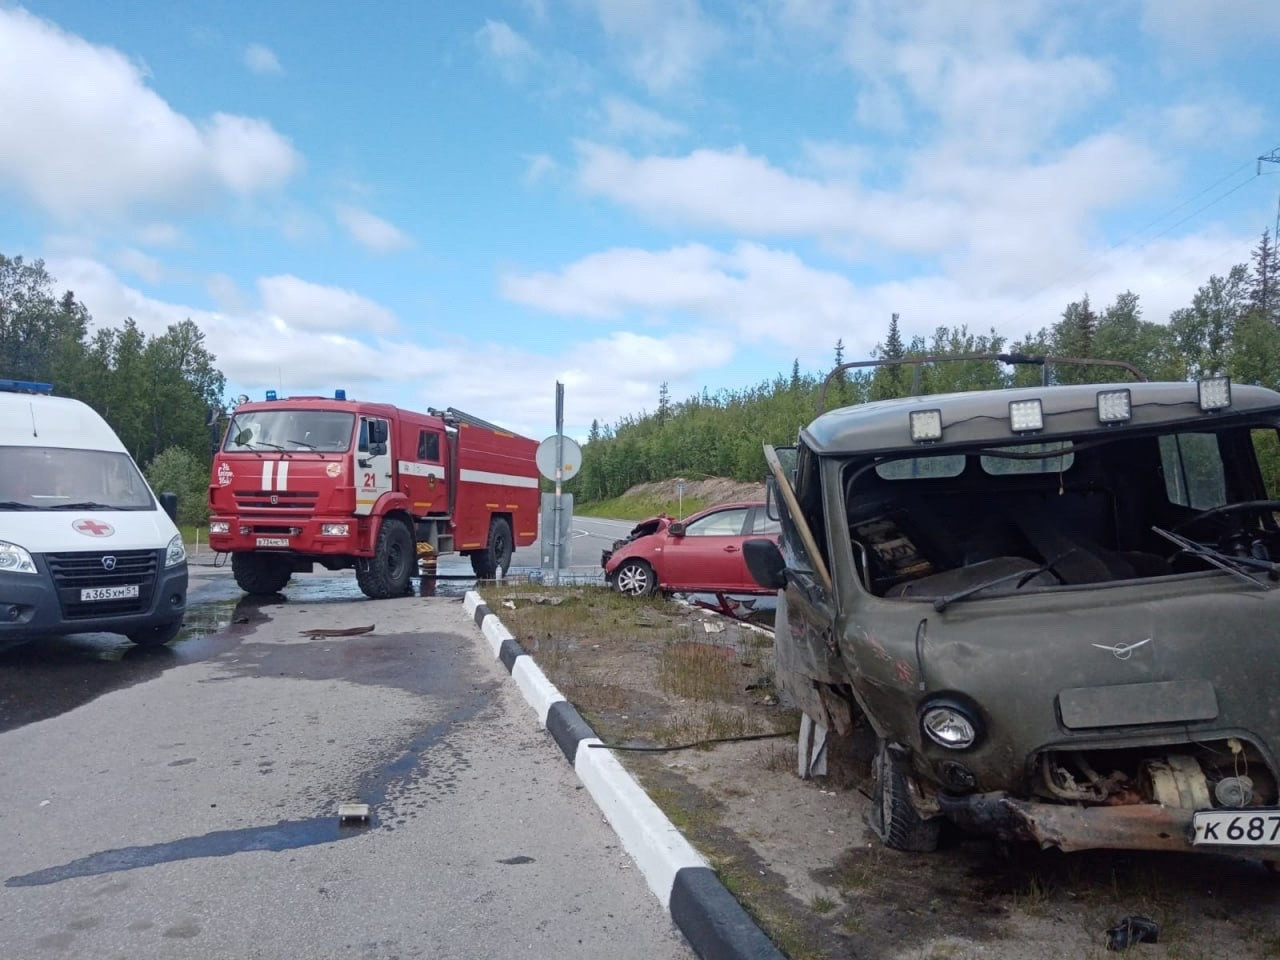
(805, 649)
(373, 463)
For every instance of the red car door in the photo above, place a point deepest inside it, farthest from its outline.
(709, 555)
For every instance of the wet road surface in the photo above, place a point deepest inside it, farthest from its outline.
(182, 802)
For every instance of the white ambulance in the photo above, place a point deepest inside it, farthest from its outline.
(85, 546)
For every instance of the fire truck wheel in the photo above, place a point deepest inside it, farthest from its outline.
(497, 555)
(259, 573)
(392, 564)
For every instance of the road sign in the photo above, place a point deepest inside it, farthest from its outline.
(546, 458)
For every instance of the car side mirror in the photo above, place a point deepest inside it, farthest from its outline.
(765, 563)
(169, 504)
(377, 432)
(676, 529)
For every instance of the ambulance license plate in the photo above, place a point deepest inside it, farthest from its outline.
(129, 592)
(273, 541)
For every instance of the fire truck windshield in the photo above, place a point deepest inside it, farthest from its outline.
(325, 431)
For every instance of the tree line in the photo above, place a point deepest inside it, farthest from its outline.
(1231, 326)
(156, 391)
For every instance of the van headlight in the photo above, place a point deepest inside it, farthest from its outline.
(15, 559)
(949, 725)
(176, 552)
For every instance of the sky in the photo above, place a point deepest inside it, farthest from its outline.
(461, 203)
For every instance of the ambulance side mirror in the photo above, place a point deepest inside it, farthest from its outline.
(169, 504)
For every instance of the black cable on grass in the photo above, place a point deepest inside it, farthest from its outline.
(696, 743)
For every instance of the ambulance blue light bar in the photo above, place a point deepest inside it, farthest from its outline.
(25, 386)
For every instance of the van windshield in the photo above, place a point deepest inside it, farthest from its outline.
(53, 478)
(328, 431)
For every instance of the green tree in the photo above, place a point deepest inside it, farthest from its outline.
(179, 471)
(1203, 331)
(41, 336)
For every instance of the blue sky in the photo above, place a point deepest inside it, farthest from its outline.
(460, 203)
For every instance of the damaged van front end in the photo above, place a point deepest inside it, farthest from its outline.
(1060, 623)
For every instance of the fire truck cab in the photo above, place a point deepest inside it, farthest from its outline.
(346, 483)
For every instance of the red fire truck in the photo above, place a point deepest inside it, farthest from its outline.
(343, 483)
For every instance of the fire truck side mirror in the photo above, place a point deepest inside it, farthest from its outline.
(377, 432)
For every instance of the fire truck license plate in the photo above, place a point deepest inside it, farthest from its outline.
(1243, 828)
(109, 593)
(273, 541)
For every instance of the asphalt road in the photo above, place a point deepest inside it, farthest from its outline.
(182, 802)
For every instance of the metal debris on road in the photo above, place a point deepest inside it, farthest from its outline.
(328, 632)
(353, 812)
(1132, 930)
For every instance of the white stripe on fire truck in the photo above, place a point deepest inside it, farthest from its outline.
(282, 476)
(503, 479)
(421, 469)
(266, 474)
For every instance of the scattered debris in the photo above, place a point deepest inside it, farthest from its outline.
(353, 812)
(713, 626)
(1132, 930)
(541, 599)
(346, 632)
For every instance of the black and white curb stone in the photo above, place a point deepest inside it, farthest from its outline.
(714, 923)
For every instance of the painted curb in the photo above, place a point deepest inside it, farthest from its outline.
(711, 919)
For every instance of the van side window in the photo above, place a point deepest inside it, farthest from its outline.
(428, 445)
(1193, 472)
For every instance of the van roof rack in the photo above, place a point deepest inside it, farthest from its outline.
(25, 386)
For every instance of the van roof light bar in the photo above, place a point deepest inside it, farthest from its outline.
(25, 386)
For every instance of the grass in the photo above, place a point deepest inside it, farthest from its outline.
(699, 671)
(640, 508)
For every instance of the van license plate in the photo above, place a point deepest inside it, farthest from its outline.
(109, 593)
(273, 541)
(1237, 828)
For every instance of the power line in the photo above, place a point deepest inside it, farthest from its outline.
(1272, 157)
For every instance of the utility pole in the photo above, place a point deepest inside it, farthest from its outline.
(1272, 157)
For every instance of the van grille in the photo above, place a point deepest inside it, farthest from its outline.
(74, 571)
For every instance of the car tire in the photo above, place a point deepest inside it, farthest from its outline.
(156, 636)
(497, 552)
(893, 817)
(260, 574)
(635, 578)
(388, 572)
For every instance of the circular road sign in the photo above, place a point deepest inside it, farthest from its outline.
(546, 458)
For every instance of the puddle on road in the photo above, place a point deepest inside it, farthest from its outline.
(374, 788)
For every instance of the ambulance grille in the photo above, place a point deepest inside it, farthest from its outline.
(73, 572)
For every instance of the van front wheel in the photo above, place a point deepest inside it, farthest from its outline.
(893, 816)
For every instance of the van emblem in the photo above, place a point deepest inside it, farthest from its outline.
(93, 528)
(1123, 651)
(108, 562)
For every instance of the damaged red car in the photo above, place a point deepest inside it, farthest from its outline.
(701, 554)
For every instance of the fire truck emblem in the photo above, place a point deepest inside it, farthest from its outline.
(224, 475)
(431, 481)
(93, 528)
(333, 469)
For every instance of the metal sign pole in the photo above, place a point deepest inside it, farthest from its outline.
(556, 544)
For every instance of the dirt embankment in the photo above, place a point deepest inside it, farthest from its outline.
(708, 490)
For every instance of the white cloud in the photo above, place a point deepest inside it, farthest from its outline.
(1211, 30)
(262, 60)
(158, 235)
(626, 118)
(664, 44)
(510, 51)
(302, 305)
(140, 264)
(1226, 118)
(538, 167)
(605, 377)
(370, 231)
(85, 134)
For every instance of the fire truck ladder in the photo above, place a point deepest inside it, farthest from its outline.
(453, 416)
